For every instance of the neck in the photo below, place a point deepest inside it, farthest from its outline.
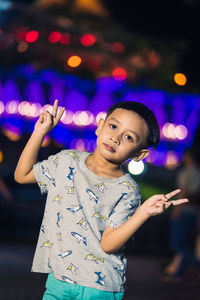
(102, 167)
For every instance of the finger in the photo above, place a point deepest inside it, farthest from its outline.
(179, 201)
(59, 116)
(172, 194)
(41, 118)
(55, 108)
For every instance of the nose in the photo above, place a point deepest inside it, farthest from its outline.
(115, 140)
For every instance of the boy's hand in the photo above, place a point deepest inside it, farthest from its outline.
(157, 204)
(47, 121)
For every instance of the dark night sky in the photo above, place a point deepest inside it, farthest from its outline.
(168, 19)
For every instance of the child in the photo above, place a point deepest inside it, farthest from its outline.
(92, 207)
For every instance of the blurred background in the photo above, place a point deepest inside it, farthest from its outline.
(90, 54)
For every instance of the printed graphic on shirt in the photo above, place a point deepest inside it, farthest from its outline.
(94, 258)
(43, 186)
(71, 174)
(72, 268)
(55, 160)
(79, 238)
(74, 208)
(59, 236)
(65, 253)
(100, 279)
(99, 216)
(59, 217)
(74, 155)
(47, 244)
(69, 189)
(83, 223)
(123, 196)
(128, 184)
(111, 224)
(67, 279)
(45, 171)
(132, 203)
(43, 228)
(101, 187)
(92, 195)
(57, 199)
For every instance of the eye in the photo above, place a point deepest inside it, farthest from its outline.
(129, 138)
(113, 126)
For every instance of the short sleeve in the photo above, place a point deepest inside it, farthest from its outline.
(124, 209)
(45, 172)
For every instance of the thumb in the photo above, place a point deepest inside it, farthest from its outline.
(41, 118)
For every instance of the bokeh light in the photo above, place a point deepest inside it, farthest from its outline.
(74, 61)
(136, 168)
(32, 36)
(88, 40)
(180, 79)
(54, 37)
(117, 47)
(119, 74)
(1, 156)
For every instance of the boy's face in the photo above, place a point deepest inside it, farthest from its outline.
(121, 136)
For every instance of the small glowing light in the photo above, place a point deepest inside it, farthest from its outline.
(119, 74)
(12, 107)
(1, 107)
(180, 79)
(101, 115)
(136, 168)
(171, 160)
(32, 36)
(88, 40)
(1, 156)
(47, 107)
(65, 38)
(117, 47)
(80, 145)
(181, 132)
(21, 37)
(74, 61)
(35, 109)
(46, 142)
(168, 130)
(83, 118)
(11, 131)
(22, 47)
(67, 117)
(54, 37)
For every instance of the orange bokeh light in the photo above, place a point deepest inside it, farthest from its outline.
(180, 79)
(74, 61)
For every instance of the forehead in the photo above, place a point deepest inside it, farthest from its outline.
(128, 119)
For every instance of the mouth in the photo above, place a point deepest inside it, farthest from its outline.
(109, 148)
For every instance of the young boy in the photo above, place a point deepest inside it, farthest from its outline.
(92, 207)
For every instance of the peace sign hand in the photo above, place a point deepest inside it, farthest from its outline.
(47, 121)
(157, 204)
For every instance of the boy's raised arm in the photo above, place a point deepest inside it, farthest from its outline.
(45, 123)
(113, 239)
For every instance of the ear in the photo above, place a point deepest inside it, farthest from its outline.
(140, 155)
(99, 127)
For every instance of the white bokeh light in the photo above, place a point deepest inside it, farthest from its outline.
(136, 168)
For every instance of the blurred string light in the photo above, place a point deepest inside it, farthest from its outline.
(88, 40)
(31, 36)
(174, 131)
(136, 168)
(180, 79)
(74, 61)
(12, 132)
(54, 37)
(171, 160)
(117, 47)
(119, 74)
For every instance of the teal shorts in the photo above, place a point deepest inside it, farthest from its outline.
(61, 290)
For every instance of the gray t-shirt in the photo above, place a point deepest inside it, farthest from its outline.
(79, 207)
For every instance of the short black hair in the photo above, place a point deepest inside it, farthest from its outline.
(143, 111)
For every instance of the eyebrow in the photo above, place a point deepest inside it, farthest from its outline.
(135, 133)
